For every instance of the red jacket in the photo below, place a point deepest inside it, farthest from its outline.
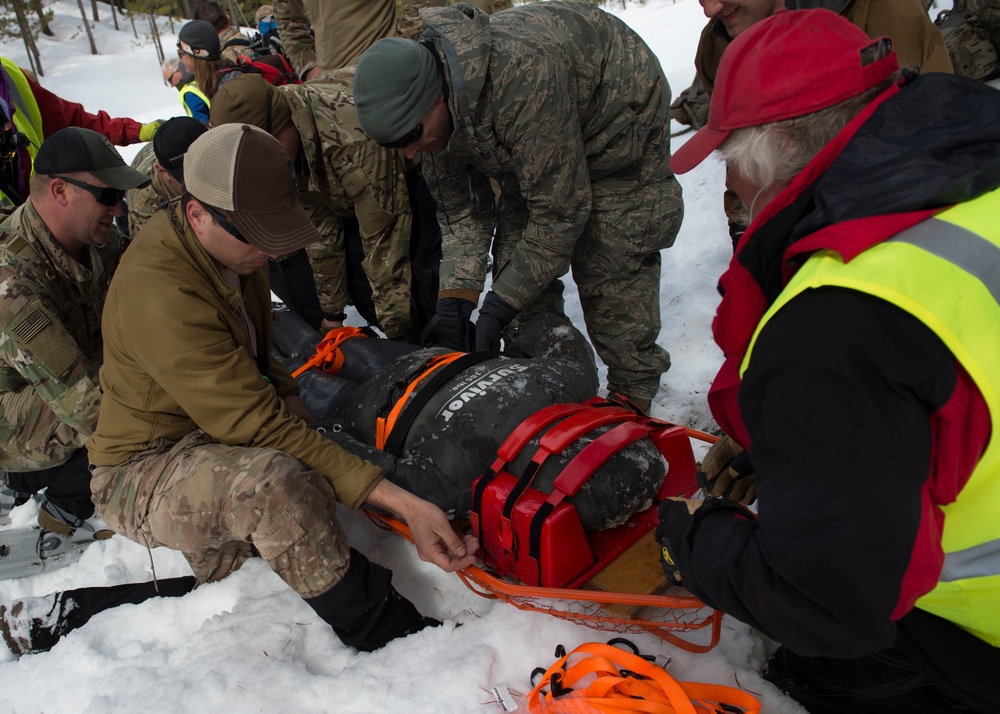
(58, 113)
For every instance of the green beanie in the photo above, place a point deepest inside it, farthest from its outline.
(395, 85)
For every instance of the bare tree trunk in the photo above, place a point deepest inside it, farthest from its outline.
(86, 25)
(34, 59)
(42, 20)
(114, 14)
(155, 32)
(93, 5)
(131, 18)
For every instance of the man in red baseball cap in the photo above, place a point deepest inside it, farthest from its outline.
(859, 321)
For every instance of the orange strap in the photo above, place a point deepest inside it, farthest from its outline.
(625, 682)
(329, 357)
(384, 424)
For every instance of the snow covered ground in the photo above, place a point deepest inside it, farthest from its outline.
(249, 644)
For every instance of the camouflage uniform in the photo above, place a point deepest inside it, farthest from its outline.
(916, 41)
(346, 28)
(349, 175)
(567, 108)
(410, 25)
(971, 32)
(50, 341)
(241, 48)
(194, 448)
(144, 202)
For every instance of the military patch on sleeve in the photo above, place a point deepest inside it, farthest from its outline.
(30, 326)
(46, 343)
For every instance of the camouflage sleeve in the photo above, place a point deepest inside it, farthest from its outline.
(328, 257)
(295, 31)
(916, 40)
(374, 179)
(34, 343)
(142, 204)
(408, 17)
(466, 214)
(536, 120)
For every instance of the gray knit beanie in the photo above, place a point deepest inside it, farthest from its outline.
(395, 85)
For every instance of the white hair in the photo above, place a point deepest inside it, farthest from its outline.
(777, 152)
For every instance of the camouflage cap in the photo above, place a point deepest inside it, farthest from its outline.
(245, 174)
(396, 83)
(76, 149)
(251, 99)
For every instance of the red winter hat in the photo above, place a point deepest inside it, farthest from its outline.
(792, 63)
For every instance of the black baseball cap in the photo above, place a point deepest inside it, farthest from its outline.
(75, 149)
(172, 140)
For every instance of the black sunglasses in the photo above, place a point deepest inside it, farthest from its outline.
(105, 196)
(410, 138)
(227, 226)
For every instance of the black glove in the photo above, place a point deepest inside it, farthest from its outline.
(494, 315)
(726, 472)
(670, 510)
(451, 326)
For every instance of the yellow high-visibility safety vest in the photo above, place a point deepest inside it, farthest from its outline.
(27, 117)
(192, 88)
(945, 271)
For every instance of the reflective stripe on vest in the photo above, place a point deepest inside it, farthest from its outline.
(27, 117)
(192, 88)
(945, 272)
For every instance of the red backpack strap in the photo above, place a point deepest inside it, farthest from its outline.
(516, 441)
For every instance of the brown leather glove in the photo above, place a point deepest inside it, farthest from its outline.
(726, 472)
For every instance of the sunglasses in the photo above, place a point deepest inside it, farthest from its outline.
(227, 226)
(183, 48)
(173, 79)
(105, 196)
(409, 138)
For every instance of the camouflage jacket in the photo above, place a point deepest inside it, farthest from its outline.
(144, 202)
(348, 174)
(180, 359)
(546, 99)
(50, 324)
(917, 41)
(240, 48)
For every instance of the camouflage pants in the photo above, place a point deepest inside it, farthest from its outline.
(32, 437)
(219, 504)
(616, 266)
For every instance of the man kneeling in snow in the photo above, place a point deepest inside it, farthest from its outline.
(202, 443)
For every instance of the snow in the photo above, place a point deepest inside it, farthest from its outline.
(249, 644)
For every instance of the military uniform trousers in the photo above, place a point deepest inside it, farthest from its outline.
(221, 504)
(635, 214)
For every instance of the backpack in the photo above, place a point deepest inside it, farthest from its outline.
(971, 32)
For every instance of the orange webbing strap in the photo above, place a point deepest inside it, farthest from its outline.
(329, 357)
(625, 682)
(384, 425)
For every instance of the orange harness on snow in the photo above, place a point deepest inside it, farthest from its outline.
(626, 682)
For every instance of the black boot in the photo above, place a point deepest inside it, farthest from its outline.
(365, 610)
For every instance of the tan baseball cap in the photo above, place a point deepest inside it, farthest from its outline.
(245, 174)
